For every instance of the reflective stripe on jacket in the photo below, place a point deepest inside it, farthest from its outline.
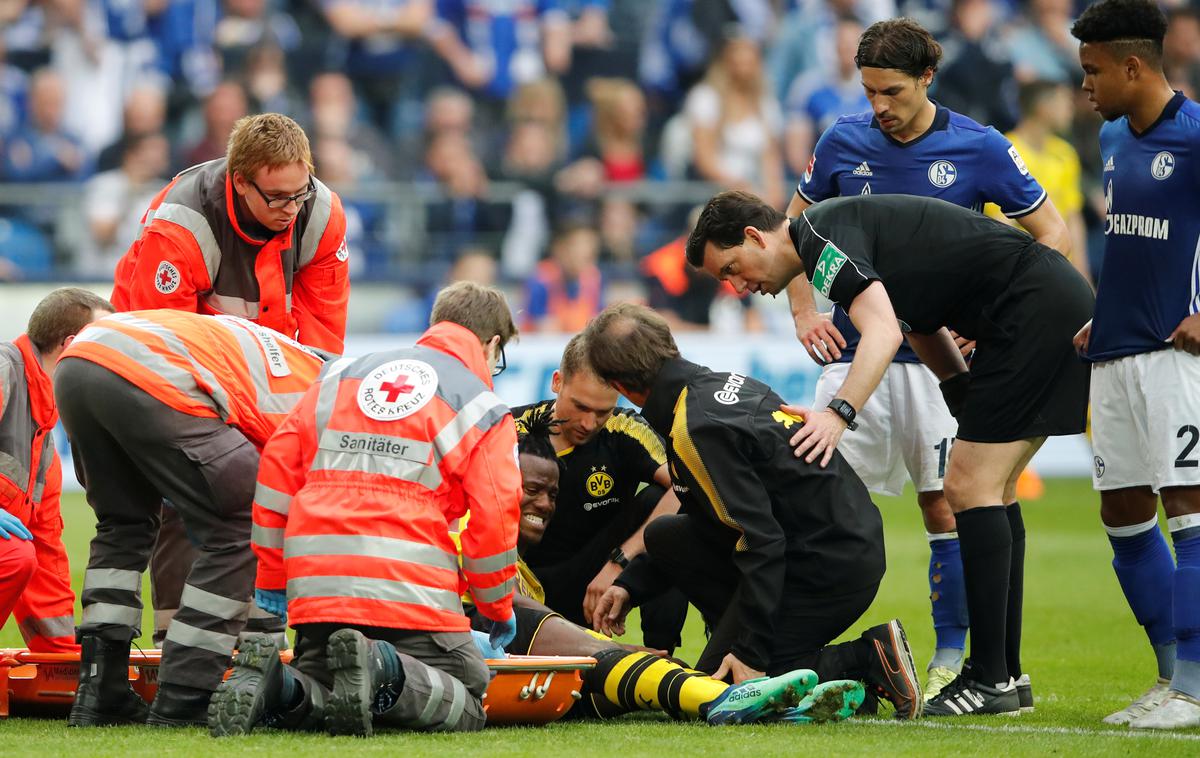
(358, 489)
(211, 366)
(191, 254)
(27, 416)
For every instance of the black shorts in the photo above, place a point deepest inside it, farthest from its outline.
(529, 623)
(1026, 379)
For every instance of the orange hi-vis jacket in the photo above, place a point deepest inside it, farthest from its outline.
(30, 487)
(192, 254)
(210, 366)
(358, 489)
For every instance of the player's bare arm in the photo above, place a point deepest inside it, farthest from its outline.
(1186, 336)
(1046, 225)
(1082, 337)
(821, 339)
(872, 314)
(939, 352)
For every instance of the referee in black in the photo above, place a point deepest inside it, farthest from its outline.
(781, 556)
(915, 266)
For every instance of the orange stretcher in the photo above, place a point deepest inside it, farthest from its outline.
(526, 689)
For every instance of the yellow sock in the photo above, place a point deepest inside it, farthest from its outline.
(633, 681)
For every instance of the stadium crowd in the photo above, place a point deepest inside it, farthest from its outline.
(553, 145)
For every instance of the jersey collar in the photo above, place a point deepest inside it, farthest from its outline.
(660, 404)
(941, 120)
(1168, 112)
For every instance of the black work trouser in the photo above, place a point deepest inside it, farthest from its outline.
(131, 451)
(805, 624)
(566, 583)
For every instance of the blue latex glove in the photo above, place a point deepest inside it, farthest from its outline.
(273, 602)
(484, 643)
(502, 633)
(10, 524)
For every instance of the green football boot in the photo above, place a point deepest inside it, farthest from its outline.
(756, 699)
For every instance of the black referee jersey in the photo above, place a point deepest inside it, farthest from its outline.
(792, 527)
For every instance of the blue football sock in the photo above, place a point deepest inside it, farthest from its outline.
(948, 595)
(1146, 572)
(1185, 533)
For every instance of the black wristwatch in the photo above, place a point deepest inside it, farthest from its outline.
(617, 556)
(845, 410)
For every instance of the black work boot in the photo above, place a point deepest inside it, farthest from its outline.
(308, 715)
(253, 691)
(367, 678)
(104, 695)
(178, 705)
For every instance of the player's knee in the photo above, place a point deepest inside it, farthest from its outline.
(18, 561)
(1133, 505)
(1180, 501)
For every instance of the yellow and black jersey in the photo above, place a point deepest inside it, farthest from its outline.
(600, 481)
(786, 521)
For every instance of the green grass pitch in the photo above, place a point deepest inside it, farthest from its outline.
(1082, 648)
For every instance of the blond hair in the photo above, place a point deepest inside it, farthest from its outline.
(268, 140)
(606, 95)
(483, 310)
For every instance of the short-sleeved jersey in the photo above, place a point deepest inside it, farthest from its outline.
(956, 160)
(600, 480)
(942, 264)
(1150, 280)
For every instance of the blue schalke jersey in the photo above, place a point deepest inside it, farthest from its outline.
(956, 160)
(1150, 280)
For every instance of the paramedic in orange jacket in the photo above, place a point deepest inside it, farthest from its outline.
(35, 578)
(170, 404)
(253, 234)
(356, 494)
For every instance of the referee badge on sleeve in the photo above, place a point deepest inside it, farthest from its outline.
(828, 265)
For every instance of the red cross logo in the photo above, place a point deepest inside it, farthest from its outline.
(396, 387)
(164, 278)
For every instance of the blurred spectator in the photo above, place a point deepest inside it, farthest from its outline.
(618, 226)
(249, 24)
(464, 216)
(266, 80)
(1042, 45)
(541, 101)
(567, 289)
(804, 48)
(14, 86)
(1047, 108)
(815, 101)
(412, 315)
(23, 27)
(673, 54)
(335, 114)
(973, 55)
(617, 145)
(448, 110)
(145, 113)
(1181, 50)
(222, 109)
(492, 48)
(184, 33)
(342, 168)
(375, 44)
(42, 150)
(736, 124)
(115, 201)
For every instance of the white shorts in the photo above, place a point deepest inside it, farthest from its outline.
(904, 427)
(1146, 421)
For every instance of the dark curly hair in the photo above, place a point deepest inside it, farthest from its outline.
(1136, 26)
(533, 435)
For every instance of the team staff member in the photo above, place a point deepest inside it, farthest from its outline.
(908, 144)
(608, 454)
(1144, 345)
(780, 555)
(352, 518)
(254, 235)
(35, 577)
(917, 265)
(170, 404)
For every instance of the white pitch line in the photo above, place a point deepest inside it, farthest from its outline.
(1064, 730)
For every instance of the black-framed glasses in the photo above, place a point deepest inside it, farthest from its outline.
(500, 364)
(281, 202)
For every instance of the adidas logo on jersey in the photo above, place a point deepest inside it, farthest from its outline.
(1108, 164)
(862, 170)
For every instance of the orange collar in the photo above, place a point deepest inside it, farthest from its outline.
(41, 389)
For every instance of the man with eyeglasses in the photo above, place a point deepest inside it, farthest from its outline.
(253, 234)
